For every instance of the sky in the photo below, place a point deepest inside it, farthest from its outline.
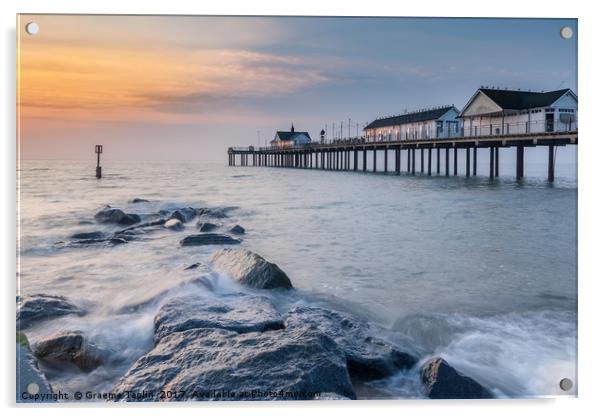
(188, 87)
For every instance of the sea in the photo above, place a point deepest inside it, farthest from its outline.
(480, 272)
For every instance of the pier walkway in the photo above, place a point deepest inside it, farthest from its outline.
(442, 154)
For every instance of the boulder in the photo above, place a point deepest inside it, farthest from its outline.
(88, 235)
(68, 348)
(271, 365)
(250, 269)
(442, 381)
(28, 376)
(183, 214)
(174, 224)
(138, 200)
(208, 239)
(237, 229)
(206, 226)
(116, 216)
(368, 357)
(237, 312)
(39, 307)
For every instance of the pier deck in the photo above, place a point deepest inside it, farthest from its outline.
(344, 154)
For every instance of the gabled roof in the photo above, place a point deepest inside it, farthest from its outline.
(415, 117)
(290, 135)
(520, 100)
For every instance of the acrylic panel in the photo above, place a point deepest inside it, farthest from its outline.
(295, 208)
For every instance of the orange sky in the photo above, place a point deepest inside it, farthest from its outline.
(190, 86)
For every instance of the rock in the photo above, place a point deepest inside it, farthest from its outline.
(68, 348)
(88, 235)
(138, 200)
(27, 374)
(200, 362)
(208, 239)
(215, 212)
(250, 269)
(174, 224)
(117, 240)
(143, 225)
(192, 266)
(237, 229)
(116, 216)
(442, 381)
(184, 214)
(35, 308)
(368, 357)
(237, 312)
(206, 226)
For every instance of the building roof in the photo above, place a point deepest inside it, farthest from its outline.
(414, 117)
(290, 135)
(520, 100)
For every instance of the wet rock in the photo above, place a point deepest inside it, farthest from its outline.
(201, 361)
(368, 357)
(250, 269)
(28, 373)
(116, 216)
(39, 307)
(208, 239)
(154, 223)
(206, 226)
(117, 240)
(138, 200)
(238, 312)
(88, 235)
(68, 348)
(237, 229)
(442, 381)
(174, 224)
(192, 266)
(184, 214)
(215, 212)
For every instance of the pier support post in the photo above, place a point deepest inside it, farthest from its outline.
(520, 161)
(397, 161)
(497, 161)
(455, 161)
(386, 159)
(364, 159)
(421, 160)
(413, 161)
(429, 162)
(409, 157)
(551, 163)
(438, 169)
(474, 162)
(355, 159)
(491, 162)
(467, 162)
(447, 161)
(374, 160)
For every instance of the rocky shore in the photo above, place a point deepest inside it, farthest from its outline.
(235, 346)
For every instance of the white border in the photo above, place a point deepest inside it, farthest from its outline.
(589, 186)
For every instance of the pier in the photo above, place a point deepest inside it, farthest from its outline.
(434, 155)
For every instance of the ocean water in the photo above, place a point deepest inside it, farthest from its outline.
(481, 273)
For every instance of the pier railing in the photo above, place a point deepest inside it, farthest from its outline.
(481, 130)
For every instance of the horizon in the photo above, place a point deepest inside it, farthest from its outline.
(185, 88)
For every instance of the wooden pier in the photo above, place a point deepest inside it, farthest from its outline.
(345, 154)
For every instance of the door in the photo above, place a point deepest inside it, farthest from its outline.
(549, 122)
